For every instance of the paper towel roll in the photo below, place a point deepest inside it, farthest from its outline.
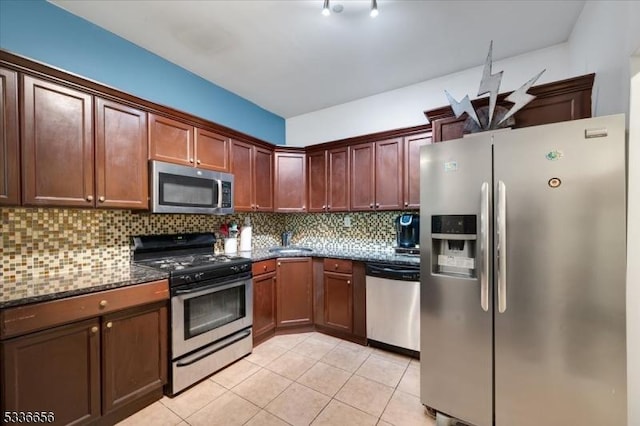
(245, 238)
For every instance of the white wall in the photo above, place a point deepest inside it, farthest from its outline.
(633, 250)
(405, 107)
(605, 36)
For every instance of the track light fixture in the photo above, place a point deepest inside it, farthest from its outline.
(374, 8)
(325, 9)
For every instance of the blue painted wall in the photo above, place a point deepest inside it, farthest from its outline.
(41, 31)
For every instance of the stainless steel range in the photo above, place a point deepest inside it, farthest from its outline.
(211, 303)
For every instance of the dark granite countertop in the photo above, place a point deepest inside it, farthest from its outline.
(45, 288)
(383, 256)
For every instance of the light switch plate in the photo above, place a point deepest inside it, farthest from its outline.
(347, 221)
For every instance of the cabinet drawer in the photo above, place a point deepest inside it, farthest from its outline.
(25, 319)
(264, 267)
(338, 265)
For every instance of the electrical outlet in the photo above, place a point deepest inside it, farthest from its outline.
(347, 221)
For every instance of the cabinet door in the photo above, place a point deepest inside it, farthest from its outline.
(290, 189)
(317, 181)
(121, 156)
(338, 301)
(388, 170)
(362, 177)
(9, 148)
(264, 304)
(242, 169)
(57, 145)
(134, 354)
(338, 177)
(57, 370)
(294, 292)
(170, 140)
(263, 179)
(212, 151)
(412, 144)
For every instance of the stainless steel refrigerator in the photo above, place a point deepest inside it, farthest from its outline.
(523, 275)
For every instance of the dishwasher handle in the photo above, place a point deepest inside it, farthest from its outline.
(394, 272)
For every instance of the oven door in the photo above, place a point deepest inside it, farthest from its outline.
(207, 311)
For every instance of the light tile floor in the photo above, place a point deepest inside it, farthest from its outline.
(300, 379)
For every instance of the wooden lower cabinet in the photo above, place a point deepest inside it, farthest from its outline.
(338, 301)
(294, 292)
(134, 355)
(264, 299)
(56, 370)
(97, 371)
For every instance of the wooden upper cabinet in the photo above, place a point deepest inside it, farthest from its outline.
(263, 179)
(338, 179)
(121, 156)
(242, 169)
(388, 172)
(290, 189)
(56, 370)
(212, 150)
(411, 192)
(362, 176)
(252, 168)
(57, 145)
(170, 140)
(9, 141)
(317, 181)
(562, 100)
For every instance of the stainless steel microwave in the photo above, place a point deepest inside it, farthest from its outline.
(184, 189)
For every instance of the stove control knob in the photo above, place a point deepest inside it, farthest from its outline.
(187, 278)
(199, 275)
(235, 269)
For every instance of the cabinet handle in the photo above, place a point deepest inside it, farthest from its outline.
(279, 263)
(324, 207)
(377, 205)
(191, 160)
(257, 206)
(198, 161)
(371, 205)
(101, 199)
(406, 204)
(348, 282)
(103, 303)
(328, 207)
(89, 198)
(265, 267)
(94, 329)
(336, 266)
(109, 324)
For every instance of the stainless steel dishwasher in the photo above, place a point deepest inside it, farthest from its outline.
(393, 305)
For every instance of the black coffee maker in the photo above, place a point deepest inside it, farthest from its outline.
(408, 230)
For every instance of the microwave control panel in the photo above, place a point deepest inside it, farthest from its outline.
(226, 195)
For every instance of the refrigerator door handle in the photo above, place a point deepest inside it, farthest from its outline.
(502, 247)
(484, 246)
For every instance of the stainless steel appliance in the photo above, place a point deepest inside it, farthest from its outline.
(393, 306)
(184, 189)
(408, 234)
(522, 266)
(211, 303)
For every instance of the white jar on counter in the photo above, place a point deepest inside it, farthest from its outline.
(230, 245)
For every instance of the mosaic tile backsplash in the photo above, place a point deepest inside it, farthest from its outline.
(40, 242)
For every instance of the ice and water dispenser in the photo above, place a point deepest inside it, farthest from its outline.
(453, 239)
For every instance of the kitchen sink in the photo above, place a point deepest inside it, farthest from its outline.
(290, 250)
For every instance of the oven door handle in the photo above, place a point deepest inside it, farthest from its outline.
(220, 285)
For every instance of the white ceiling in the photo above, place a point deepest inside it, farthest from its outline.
(289, 59)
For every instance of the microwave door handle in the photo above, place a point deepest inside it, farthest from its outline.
(219, 193)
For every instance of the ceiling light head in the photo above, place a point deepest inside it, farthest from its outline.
(325, 9)
(374, 9)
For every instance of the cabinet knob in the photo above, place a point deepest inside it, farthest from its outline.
(324, 207)
(279, 263)
(103, 303)
(349, 282)
(257, 206)
(336, 266)
(406, 204)
(371, 205)
(328, 207)
(198, 161)
(191, 160)
(377, 205)
(94, 329)
(89, 198)
(109, 324)
(101, 199)
(264, 267)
